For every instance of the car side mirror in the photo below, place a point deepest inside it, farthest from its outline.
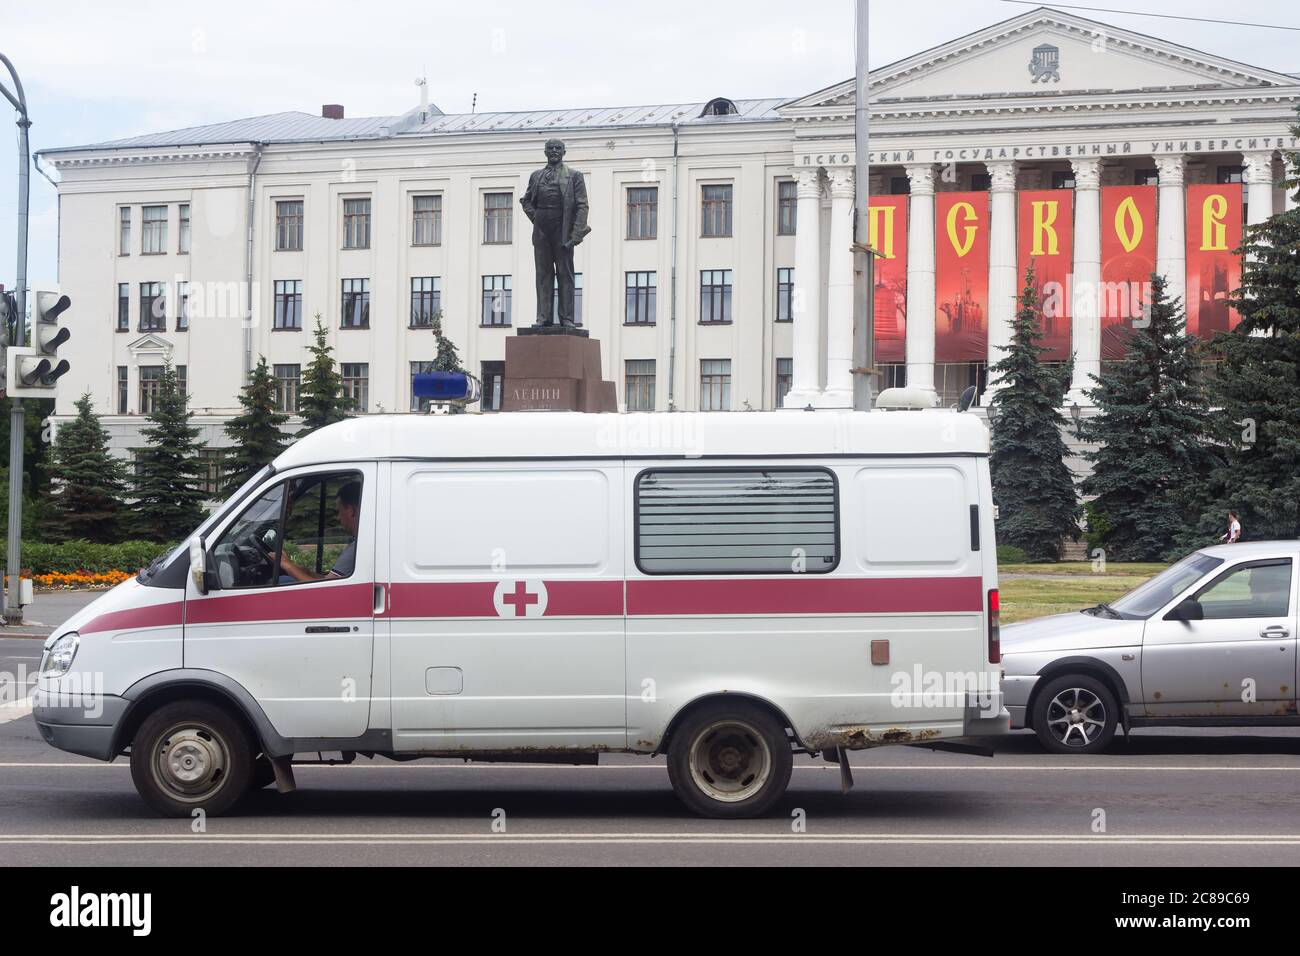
(1188, 610)
(199, 564)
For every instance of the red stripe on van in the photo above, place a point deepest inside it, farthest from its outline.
(475, 599)
(578, 598)
(154, 615)
(284, 604)
(803, 595)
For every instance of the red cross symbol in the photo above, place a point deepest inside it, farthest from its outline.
(520, 599)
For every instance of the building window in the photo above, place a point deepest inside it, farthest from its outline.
(1229, 175)
(212, 470)
(288, 378)
(787, 205)
(153, 230)
(288, 304)
(784, 295)
(153, 307)
(419, 404)
(639, 384)
(426, 300)
(150, 387)
(356, 384)
(498, 213)
(715, 295)
(789, 516)
(643, 212)
(715, 385)
(356, 304)
(426, 220)
(356, 224)
(1062, 180)
(123, 306)
(716, 211)
(953, 378)
(288, 225)
(183, 379)
(496, 301)
(899, 186)
(183, 243)
(893, 375)
(122, 389)
(494, 384)
(124, 231)
(1146, 177)
(577, 300)
(784, 379)
(641, 294)
(981, 182)
(182, 306)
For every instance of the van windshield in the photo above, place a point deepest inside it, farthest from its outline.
(149, 576)
(1147, 598)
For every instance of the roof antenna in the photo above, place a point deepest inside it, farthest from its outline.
(422, 82)
(473, 104)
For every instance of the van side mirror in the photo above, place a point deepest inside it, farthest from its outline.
(1188, 610)
(199, 564)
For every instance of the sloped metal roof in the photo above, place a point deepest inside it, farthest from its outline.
(297, 127)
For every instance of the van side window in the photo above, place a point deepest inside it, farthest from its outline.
(737, 521)
(301, 530)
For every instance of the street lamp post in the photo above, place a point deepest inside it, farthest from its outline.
(13, 612)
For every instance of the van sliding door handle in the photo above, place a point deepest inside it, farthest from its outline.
(328, 629)
(381, 602)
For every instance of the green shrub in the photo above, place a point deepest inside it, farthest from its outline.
(1010, 554)
(81, 555)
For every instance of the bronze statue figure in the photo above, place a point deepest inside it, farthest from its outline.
(556, 204)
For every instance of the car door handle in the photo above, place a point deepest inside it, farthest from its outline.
(328, 629)
(1275, 631)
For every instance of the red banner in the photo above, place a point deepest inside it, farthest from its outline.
(1128, 257)
(1045, 240)
(1213, 271)
(887, 218)
(961, 277)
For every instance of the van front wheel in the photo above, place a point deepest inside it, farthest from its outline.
(730, 760)
(191, 755)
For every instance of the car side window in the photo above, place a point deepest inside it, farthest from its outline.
(322, 521)
(1258, 589)
(244, 556)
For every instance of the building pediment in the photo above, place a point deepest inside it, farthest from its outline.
(1042, 55)
(150, 345)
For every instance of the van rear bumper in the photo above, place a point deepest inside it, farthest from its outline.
(85, 726)
(977, 722)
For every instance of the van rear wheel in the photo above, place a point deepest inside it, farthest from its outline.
(730, 760)
(191, 755)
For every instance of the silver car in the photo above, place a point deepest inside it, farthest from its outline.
(1208, 642)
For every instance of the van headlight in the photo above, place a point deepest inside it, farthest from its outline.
(59, 655)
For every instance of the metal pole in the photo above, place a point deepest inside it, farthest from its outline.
(864, 324)
(13, 613)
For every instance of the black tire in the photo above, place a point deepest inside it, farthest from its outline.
(1075, 714)
(730, 760)
(191, 755)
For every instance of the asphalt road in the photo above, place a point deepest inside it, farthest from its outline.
(1207, 798)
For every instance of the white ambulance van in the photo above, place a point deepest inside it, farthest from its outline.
(728, 590)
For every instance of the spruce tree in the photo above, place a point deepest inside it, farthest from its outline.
(255, 433)
(1255, 390)
(1032, 486)
(1152, 425)
(168, 484)
(321, 400)
(447, 358)
(88, 501)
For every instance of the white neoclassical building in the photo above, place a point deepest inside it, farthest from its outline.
(718, 274)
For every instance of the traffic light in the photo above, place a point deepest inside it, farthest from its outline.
(34, 371)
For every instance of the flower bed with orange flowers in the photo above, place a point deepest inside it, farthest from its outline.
(68, 580)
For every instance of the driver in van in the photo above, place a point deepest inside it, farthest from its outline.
(348, 505)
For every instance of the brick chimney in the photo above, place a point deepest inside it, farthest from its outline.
(332, 111)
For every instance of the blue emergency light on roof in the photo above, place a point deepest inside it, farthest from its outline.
(458, 387)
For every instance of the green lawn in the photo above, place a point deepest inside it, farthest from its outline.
(1069, 586)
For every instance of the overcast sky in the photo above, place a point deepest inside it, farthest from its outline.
(101, 70)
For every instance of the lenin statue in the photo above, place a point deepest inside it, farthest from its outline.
(556, 204)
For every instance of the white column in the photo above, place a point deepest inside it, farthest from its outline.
(1171, 248)
(1259, 185)
(1085, 317)
(1003, 286)
(920, 277)
(805, 307)
(839, 295)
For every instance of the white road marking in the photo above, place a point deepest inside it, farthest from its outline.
(829, 768)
